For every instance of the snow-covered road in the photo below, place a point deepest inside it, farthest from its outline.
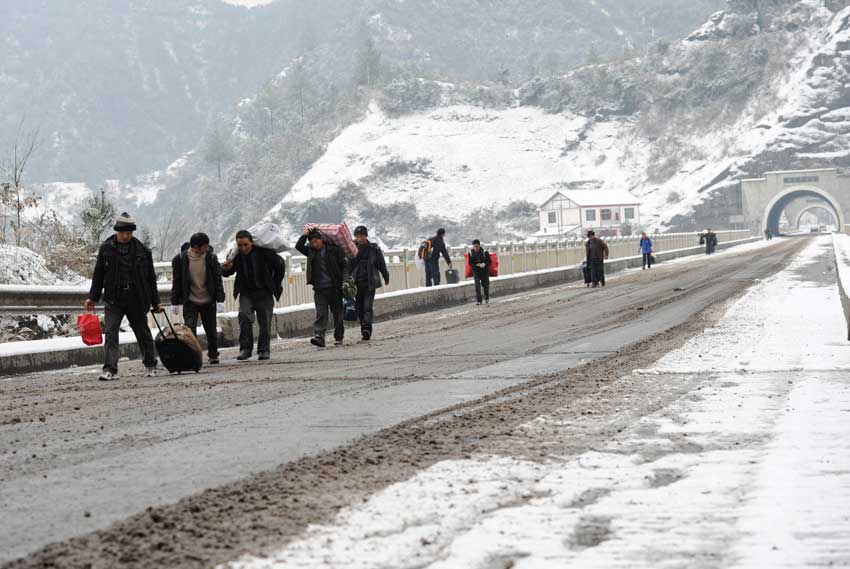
(750, 467)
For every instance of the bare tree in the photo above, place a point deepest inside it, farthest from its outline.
(13, 193)
(165, 234)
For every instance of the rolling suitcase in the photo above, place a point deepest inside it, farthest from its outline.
(177, 347)
(452, 276)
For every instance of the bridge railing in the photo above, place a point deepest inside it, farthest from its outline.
(513, 258)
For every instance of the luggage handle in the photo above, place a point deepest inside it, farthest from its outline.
(167, 319)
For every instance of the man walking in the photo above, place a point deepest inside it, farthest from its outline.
(124, 277)
(597, 253)
(259, 277)
(710, 242)
(646, 250)
(326, 271)
(432, 258)
(369, 271)
(480, 261)
(196, 284)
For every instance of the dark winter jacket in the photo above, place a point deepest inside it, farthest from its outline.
(180, 280)
(596, 249)
(334, 257)
(377, 273)
(438, 247)
(266, 268)
(476, 259)
(106, 279)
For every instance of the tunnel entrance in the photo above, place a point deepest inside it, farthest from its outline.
(776, 209)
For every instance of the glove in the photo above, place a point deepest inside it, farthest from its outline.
(175, 309)
(219, 307)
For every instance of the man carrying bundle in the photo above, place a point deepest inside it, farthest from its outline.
(327, 269)
(259, 278)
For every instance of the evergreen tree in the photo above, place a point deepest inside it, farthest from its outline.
(218, 147)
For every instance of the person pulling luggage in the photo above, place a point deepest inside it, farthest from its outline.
(259, 281)
(124, 277)
(646, 250)
(196, 284)
(327, 270)
(479, 260)
(597, 253)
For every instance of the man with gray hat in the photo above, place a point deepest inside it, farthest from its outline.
(125, 278)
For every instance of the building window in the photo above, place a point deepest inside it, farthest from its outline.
(800, 180)
(629, 213)
(553, 218)
(590, 215)
(606, 215)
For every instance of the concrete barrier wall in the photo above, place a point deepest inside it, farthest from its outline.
(841, 248)
(297, 321)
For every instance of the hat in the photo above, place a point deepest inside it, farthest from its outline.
(591, 233)
(125, 222)
(361, 230)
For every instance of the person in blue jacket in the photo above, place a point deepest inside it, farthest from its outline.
(646, 250)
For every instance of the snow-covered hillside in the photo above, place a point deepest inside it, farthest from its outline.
(444, 162)
(449, 161)
(20, 266)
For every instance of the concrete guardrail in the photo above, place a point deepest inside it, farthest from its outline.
(296, 321)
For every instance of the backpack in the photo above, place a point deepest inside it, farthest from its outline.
(426, 250)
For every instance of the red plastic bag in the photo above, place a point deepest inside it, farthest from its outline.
(494, 265)
(467, 271)
(338, 234)
(89, 326)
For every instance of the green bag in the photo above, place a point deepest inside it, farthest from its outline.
(349, 289)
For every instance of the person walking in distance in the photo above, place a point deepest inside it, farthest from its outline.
(124, 277)
(597, 253)
(435, 246)
(259, 281)
(196, 284)
(646, 250)
(479, 260)
(369, 271)
(327, 269)
(710, 242)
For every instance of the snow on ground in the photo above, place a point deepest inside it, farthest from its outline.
(20, 266)
(750, 469)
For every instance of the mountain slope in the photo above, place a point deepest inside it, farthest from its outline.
(758, 87)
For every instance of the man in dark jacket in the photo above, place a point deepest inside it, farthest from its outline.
(369, 271)
(327, 269)
(259, 281)
(432, 258)
(480, 261)
(196, 284)
(597, 253)
(124, 277)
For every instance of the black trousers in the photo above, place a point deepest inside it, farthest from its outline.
(647, 260)
(364, 303)
(207, 313)
(261, 303)
(328, 301)
(137, 315)
(482, 281)
(597, 271)
(432, 273)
